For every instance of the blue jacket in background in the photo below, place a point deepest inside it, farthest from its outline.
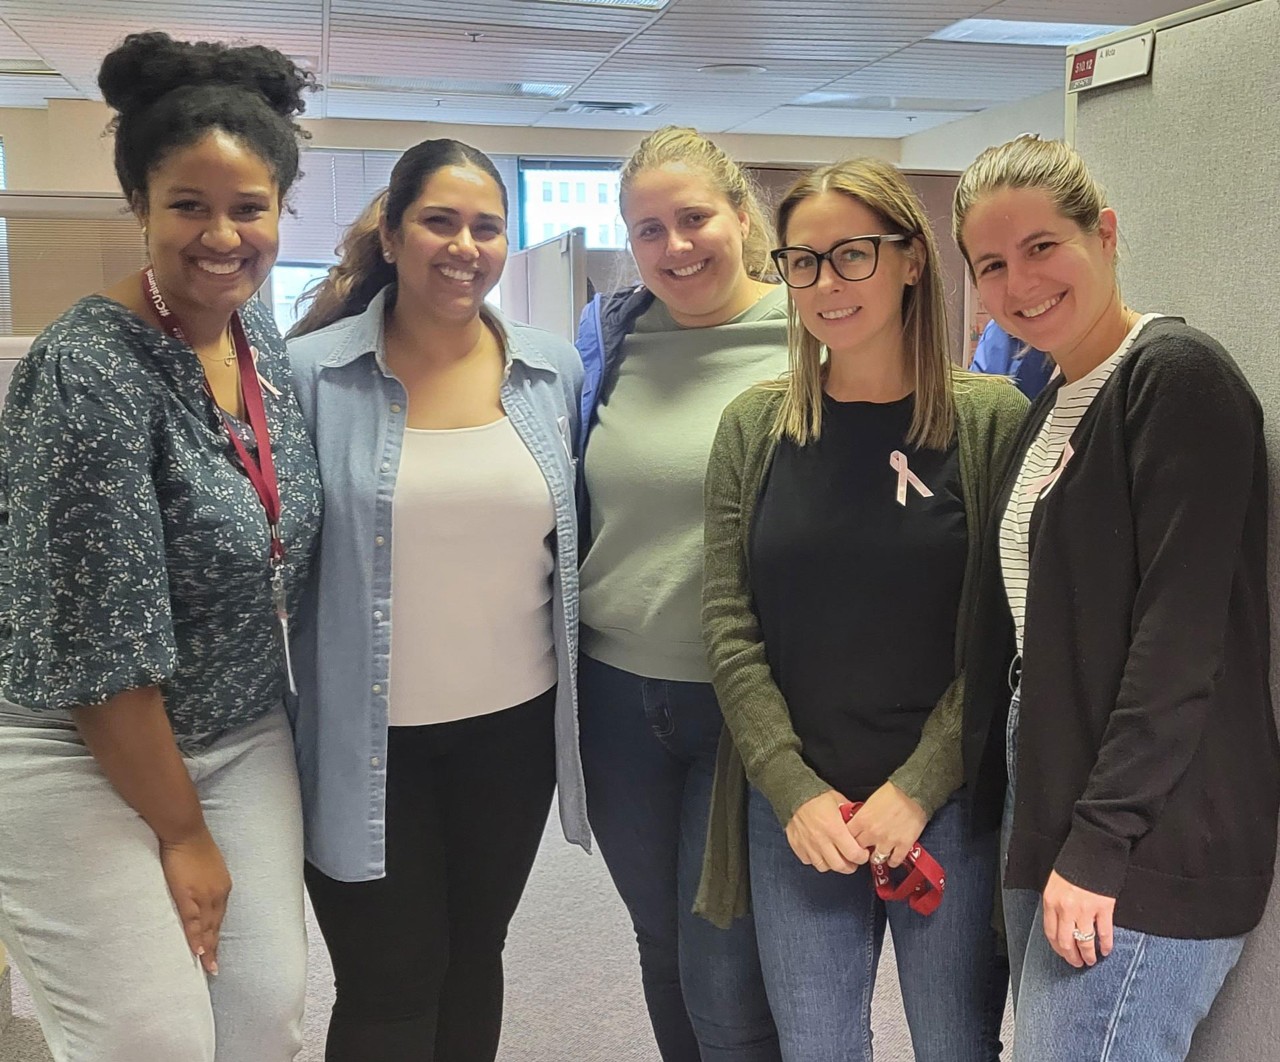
(606, 321)
(999, 354)
(356, 410)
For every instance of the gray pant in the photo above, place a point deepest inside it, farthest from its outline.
(87, 917)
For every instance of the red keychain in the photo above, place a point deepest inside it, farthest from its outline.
(924, 884)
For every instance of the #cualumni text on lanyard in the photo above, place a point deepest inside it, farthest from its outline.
(261, 469)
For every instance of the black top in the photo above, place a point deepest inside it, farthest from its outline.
(1146, 733)
(135, 547)
(858, 595)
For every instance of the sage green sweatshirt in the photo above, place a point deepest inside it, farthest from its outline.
(646, 463)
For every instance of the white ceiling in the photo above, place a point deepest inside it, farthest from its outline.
(441, 60)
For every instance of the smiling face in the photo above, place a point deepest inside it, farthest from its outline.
(451, 244)
(686, 238)
(850, 316)
(212, 218)
(1044, 279)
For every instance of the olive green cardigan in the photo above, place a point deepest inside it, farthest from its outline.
(759, 744)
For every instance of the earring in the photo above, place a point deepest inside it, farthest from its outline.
(144, 232)
(387, 255)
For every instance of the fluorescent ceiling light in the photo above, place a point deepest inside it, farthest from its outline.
(26, 68)
(733, 69)
(846, 101)
(526, 90)
(635, 5)
(1000, 31)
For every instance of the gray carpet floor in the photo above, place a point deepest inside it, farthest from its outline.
(573, 982)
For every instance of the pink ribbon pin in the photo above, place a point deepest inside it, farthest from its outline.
(898, 462)
(266, 384)
(1042, 484)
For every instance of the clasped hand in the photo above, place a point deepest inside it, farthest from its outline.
(889, 821)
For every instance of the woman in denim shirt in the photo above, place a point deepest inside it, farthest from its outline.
(436, 655)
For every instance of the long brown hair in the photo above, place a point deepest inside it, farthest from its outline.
(882, 189)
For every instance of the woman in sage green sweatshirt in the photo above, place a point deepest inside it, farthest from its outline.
(845, 510)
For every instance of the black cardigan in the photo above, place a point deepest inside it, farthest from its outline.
(1148, 762)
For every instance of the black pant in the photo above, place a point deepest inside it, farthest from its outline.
(417, 955)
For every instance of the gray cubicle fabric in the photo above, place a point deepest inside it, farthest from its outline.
(1191, 160)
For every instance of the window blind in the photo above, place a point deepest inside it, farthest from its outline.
(57, 249)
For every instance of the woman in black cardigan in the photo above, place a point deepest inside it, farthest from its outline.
(1124, 605)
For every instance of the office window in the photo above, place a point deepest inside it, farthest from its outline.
(595, 212)
(546, 191)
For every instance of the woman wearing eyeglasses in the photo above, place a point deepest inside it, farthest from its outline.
(846, 506)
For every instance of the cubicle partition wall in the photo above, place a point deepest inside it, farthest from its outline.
(1190, 157)
(546, 284)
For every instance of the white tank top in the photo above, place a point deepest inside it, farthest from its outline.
(471, 568)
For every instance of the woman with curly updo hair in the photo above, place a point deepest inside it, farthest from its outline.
(159, 508)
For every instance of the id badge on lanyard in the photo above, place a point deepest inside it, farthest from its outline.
(261, 470)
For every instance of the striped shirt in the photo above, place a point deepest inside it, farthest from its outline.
(1041, 466)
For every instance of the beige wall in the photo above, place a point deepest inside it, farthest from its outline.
(26, 146)
(953, 146)
(63, 148)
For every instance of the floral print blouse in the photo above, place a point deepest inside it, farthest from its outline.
(133, 548)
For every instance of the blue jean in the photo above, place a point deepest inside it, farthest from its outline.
(820, 937)
(1141, 1003)
(648, 755)
(1020, 905)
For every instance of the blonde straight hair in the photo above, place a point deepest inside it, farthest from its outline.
(882, 189)
(679, 145)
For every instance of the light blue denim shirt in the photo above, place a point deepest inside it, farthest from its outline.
(356, 409)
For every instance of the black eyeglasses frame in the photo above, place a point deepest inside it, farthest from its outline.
(778, 253)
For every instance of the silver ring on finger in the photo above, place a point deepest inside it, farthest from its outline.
(1083, 936)
(879, 860)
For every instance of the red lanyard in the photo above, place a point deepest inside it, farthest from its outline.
(924, 884)
(262, 470)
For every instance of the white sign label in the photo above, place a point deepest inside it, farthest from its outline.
(1112, 62)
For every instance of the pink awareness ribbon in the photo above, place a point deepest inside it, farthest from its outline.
(265, 383)
(1042, 484)
(898, 462)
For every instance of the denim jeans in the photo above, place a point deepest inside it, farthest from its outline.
(1020, 905)
(88, 919)
(1141, 1003)
(820, 938)
(648, 754)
